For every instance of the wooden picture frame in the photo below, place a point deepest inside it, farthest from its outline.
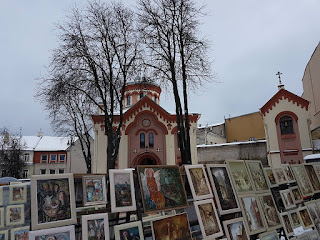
(287, 199)
(294, 218)
(257, 176)
(225, 196)
(251, 207)
(305, 217)
(94, 190)
(280, 175)
(208, 219)
(4, 234)
(231, 229)
(302, 180)
(133, 229)
(66, 232)
(46, 204)
(95, 222)
(159, 182)
(313, 177)
(239, 176)
(289, 174)
(287, 224)
(271, 180)
(296, 194)
(272, 235)
(15, 215)
(22, 232)
(1, 218)
(198, 181)
(18, 193)
(122, 192)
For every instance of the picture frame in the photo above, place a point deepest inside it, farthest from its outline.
(94, 190)
(47, 204)
(234, 228)
(133, 229)
(239, 176)
(257, 176)
(310, 235)
(15, 215)
(287, 224)
(95, 225)
(289, 173)
(66, 232)
(296, 194)
(225, 196)
(18, 193)
(272, 235)
(280, 175)
(294, 218)
(198, 181)
(314, 212)
(287, 199)
(1, 195)
(4, 234)
(303, 181)
(313, 177)
(122, 192)
(178, 225)
(161, 179)
(251, 207)
(305, 217)
(270, 211)
(20, 233)
(271, 180)
(2, 217)
(208, 219)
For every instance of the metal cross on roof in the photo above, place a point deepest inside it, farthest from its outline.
(279, 76)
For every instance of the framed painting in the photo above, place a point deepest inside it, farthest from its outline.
(94, 190)
(1, 218)
(302, 178)
(257, 176)
(18, 193)
(225, 197)
(132, 230)
(174, 227)
(313, 177)
(294, 218)
(317, 168)
(271, 180)
(15, 215)
(4, 235)
(287, 224)
(305, 217)
(296, 194)
(270, 211)
(273, 235)
(208, 219)
(198, 181)
(52, 201)
(313, 210)
(317, 202)
(280, 175)
(252, 214)
(239, 176)
(95, 226)
(289, 174)
(20, 233)
(122, 190)
(65, 233)
(311, 235)
(287, 199)
(161, 188)
(235, 229)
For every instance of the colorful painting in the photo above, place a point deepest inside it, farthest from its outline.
(95, 226)
(59, 233)
(132, 230)
(15, 214)
(161, 188)
(257, 176)
(240, 176)
(235, 229)
(4, 235)
(302, 179)
(270, 177)
(20, 233)
(280, 175)
(18, 193)
(130, 233)
(287, 225)
(223, 191)
(96, 229)
(94, 190)
(64, 236)
(175, 227)
(311, 172)
(270, 211)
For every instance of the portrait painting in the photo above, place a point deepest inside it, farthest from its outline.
(95, 226)
(252, 214)
(174, 227)
(289, 173)
(15, 215)
(287, 199)
(198, 181)
(280, 175)
(271, 180)
(313, 177)
(122, 190)
(239, 176)
(18, 193)
(305, 218)
(270, 211)
(63, 233)
(161, 188)
(222, 188)
(287, 224)
(4, 235)
(94, 190)
(235, 229)
(273, 235)
(302, 179)
(296, 194)
(208, 219)
(132, 230)
(52, 201)
(257, 176)
(1, 218)
(294, 219)
(21, 233)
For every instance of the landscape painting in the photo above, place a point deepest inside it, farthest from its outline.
(235, 229)
(161, 188)
(270, 211)
(94, 190)
(302, 179)
(59, 233)
(132, 230)
(95, 226)
(257, 176)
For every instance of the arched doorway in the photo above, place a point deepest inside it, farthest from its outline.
(146, 159)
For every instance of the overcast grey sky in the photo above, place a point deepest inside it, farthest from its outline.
(251, 41)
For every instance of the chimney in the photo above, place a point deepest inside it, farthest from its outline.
(40, 133)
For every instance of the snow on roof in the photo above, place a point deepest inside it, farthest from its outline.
(48, 143)
(312, 156)
(211, 125)
(233, 143)
(29, 142)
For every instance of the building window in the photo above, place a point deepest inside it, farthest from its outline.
(44, 158)
(286, 125)
(61, 170)
(43, 171)
(26, 157)
(53, 158)
(151, 140)
(142, 140)
(25, 173)
(141, 95)
(52, 171)
(62, 157)
(155, 99)
(252, 139)
(128, 100)
(3, 173)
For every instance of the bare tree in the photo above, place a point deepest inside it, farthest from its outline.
(170, 31)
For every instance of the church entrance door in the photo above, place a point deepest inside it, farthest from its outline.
(146, 159)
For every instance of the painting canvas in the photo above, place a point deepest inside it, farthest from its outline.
(4, 235)
(296, 194)
(287, 224)
(1, 218)
(302, 179)
(269, 236)
(235, 229)
(289, 174)
(63, 233)
(226, 199)
(161, 188)
(198, 182)
(311, 235)
(280, 175)
(239, 175)
(52, 201)
(15, 215)
(287, 199)
(305, 217)
(270, 211)
(294, 219)
(175, 227)
(94, 190)
(132, 230)
(95, 226)
(122, 190)
(18, 193)
(21, 233)
(271, 180)
(257, 176)
(313, 176)
(313, 210)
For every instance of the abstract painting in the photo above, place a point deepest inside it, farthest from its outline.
(15, 215)
(270, 211)
(21, 233)
(235, 229)
(95, 226)
(271, 180)
(132, 230)
(257, 176)
(63, 233)
(94, 190)
(302, 179)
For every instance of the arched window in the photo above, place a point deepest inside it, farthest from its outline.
(155, 99)
(141, 95)
(128, 100)
(151, 140)
(286, 125)
(142, 140)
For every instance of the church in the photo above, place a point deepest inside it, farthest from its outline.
(148, 133)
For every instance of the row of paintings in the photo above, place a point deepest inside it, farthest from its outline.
(16, 233)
